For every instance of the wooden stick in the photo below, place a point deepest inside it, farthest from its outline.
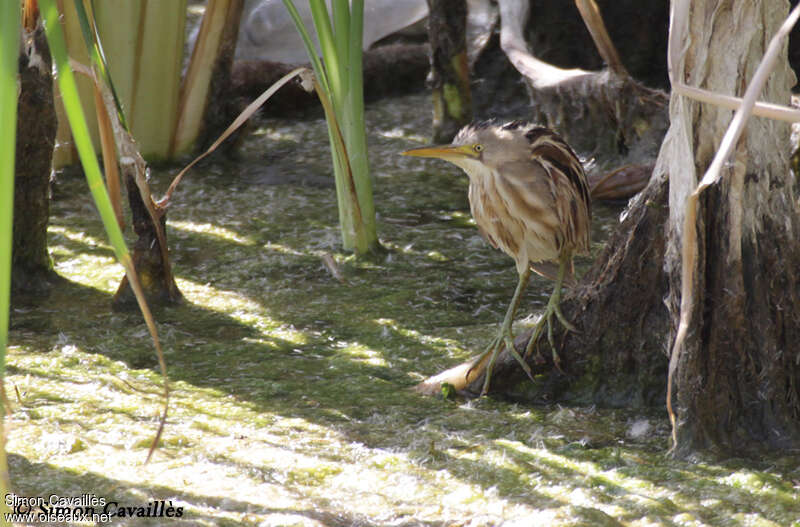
(597, 28)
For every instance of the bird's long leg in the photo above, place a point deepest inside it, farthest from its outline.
(553, 308)
(504, 337)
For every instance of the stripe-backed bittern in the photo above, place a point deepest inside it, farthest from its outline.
(529, 197)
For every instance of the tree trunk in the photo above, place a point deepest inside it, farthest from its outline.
(32, 272)
(449, 76)
(154, 273)
(738, 372)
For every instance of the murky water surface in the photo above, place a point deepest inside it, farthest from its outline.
(291, 401)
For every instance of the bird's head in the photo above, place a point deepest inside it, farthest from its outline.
(481, 146)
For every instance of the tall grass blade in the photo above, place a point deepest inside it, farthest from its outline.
(341, 29)
(105, 130)
(339, 147)
(313, 56)
(335, 51)
(355, 127)
(120, 151)
(9, 55)
(341, 93)
(340, 163)
(327, 46)
(83, 142)
(110, 160)
(92, 40)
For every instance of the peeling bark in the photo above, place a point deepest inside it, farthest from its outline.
(611, 117)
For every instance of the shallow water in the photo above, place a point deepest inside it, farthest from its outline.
(290, 388)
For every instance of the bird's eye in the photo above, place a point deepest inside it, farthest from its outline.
(478, 147)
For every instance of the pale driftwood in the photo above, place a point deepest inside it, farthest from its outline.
(760, 109)
(460, 377)
(513, 15)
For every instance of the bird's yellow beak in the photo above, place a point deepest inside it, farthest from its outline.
(446, 152)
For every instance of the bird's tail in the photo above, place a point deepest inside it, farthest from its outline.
(550, 270)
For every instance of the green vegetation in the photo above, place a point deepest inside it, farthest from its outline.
(341, 90)
(9, 56)
(291, 401)
(148, 45)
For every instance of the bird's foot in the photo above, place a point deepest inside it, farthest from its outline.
(551, 310)
(504, 339)
(561, 318)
